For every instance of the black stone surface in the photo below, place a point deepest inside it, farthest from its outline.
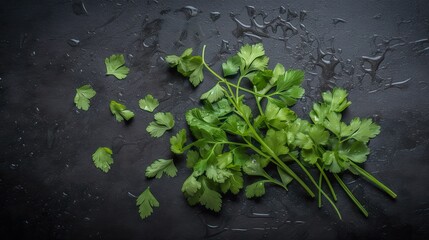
(49, 188)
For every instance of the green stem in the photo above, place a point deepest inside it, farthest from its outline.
(315, 184)
(320, 193)
(350, 194)
(327, 181)
(256, 135)
(372, 179)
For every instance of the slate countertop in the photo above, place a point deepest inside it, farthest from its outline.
(378, 50)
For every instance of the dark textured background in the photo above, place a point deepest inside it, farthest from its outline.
(51, 190)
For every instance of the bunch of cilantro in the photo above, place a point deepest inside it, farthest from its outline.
(246, 127)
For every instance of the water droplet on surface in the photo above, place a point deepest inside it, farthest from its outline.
(335, 21)
(251, 11)
(73, 42)
(190, 11)
(79, 7)
(214, 16)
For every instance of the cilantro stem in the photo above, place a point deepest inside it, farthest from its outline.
(315, 184)
(320, 193)
(256, 135)
(322, 172)
(372, 179)
(350, 194)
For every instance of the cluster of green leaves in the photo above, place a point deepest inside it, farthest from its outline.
(230, 140)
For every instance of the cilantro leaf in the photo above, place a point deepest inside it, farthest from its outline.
(334, 162)
(115, 65)
(210, 199)
(102, 158)
(188, 65)
(233, 184)
(231, 66)
(191, 185)
(213, 94)
(149, 103)
(217, 175)
(191, 158)
(332, 123)
(336, 100)
(83, 95)
(162, 123)
(252, 58)
(362, 130)
(278, 117)
(319, 112)
(286, 178)
(276, 141)
(256, 189)
(146, 202)
(120, 111)
(355, 151)
(161, 166)
(310, 156)
(178, 141)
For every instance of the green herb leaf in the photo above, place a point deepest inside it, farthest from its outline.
(178, 141)
(213, 94)
(146, 202)
(83, 95)
(115, 66)
(336, 100)
(162, 123)
(102, 158)
(120, 111)
(256, 189)
(276, 141)
(231, 66)
(191, 185)
(149, 103)
(161, 166)
(210, 199)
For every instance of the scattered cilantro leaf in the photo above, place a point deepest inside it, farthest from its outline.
(163, 122)
(149, 103)
(161, 166)
(115, 65)
(83, 95)
(120, 111)
(146, 202)
(102, 158)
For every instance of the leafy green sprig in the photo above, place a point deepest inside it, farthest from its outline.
(229, 139)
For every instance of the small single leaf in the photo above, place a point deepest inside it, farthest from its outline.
(120, 111)
(83, 95)
(149, 103)
(146, 202)
(102, 158)
(115, 66)
(161, 166)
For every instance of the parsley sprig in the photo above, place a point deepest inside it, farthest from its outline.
(230, 140)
